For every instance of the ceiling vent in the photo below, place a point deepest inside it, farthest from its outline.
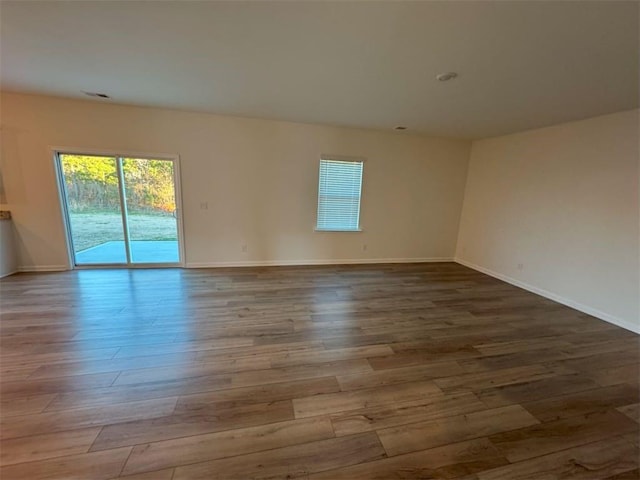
(96, 94)
(443, 77)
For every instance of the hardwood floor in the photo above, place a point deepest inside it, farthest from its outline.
(371, 372)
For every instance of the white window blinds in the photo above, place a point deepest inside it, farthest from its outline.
(339, 195)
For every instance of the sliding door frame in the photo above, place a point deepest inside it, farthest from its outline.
(118, 155)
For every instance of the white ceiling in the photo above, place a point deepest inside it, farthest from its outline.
(521, 64)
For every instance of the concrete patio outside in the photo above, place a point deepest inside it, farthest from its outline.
(142, 251)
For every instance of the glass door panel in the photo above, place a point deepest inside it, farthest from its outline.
(94, 209)
(151, 210)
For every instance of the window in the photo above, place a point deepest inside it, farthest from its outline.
(339, 191)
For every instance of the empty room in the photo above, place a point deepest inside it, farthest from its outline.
(319, 240)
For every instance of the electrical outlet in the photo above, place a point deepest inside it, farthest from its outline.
(364, 247)
(244, 248)
(204, 205)
(520, 266)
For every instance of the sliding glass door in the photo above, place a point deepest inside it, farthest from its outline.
(120, 210)
(150, 202)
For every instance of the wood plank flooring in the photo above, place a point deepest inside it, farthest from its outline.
(355, 372)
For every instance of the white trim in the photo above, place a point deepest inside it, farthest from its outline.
(553, 296)
(122, 266)
(44, 268)
(64, 213)
(9, 273)
(342, 158)
(177, 188)
(343, 261)
(103, 152)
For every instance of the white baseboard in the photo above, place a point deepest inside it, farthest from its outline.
(288, 263)
(8, 273)
(43, 268)
(552, 296)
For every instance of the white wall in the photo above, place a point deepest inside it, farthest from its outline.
(259, 178)
(562, 202)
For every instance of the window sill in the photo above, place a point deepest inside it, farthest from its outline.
(337, 230)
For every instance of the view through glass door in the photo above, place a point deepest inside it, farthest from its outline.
(120, 210)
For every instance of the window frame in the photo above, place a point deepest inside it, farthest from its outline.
(340, 158)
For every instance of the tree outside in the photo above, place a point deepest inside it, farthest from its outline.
(94, 200)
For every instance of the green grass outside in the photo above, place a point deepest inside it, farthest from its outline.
(95, 228)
